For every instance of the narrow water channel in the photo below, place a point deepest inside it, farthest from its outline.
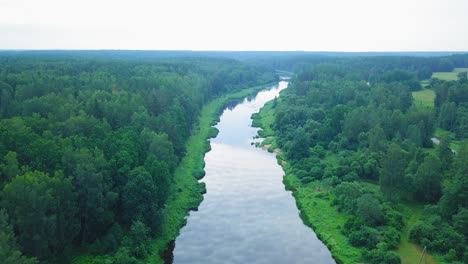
(246, 216)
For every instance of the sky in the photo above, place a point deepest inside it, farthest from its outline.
(313, 25)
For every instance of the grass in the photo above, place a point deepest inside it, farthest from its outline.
(449, 76)
(314, 203)
(411, 253)
(187, 192)
(460, 70)
(264, 119)
(424, 98)
(446, 76)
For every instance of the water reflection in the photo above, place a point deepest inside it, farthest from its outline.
(246, 215)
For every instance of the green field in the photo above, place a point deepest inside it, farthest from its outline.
(424, 98)
(449, 76)
(460, 70)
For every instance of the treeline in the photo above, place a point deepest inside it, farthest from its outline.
(370, 66)
(88, 148)
(370, 146)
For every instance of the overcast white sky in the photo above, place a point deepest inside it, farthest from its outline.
(315, 25)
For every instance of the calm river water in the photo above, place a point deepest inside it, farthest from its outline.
(246, 216)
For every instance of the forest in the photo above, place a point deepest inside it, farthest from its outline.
(357, 148)
(91, 143)
(89, 146)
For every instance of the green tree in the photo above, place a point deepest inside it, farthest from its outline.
(427, 183)
(43, 211)
(9, 250)
(377, 139)
(447, 115)
(94, 188)
(370, 210)
(392, 172)
(139, 189)
(10, 168)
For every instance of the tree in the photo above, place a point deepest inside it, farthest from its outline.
(95, 196)
(138, 240)
(392, 172)
(447, 116)
(10, 168)
(455, 192)
(9, 250)
(427, 183)
(370, 210)
(139, 189)
(445, 153)
(43, 210)
(462, 76)
(299, 147)
(377, 139)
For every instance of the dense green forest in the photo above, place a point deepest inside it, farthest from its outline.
(88, 148)
(357, 148)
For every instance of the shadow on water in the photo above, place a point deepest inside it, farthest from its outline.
(168, 254)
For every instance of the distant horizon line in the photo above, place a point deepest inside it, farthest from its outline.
(253, 50)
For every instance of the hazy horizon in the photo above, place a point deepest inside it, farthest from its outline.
(208, 25)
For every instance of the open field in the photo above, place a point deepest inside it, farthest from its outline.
(424, 98)
(449, 76)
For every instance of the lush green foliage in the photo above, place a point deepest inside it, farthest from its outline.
(338, 128)
(89, 148)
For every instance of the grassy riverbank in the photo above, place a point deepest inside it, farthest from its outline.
(187, 192)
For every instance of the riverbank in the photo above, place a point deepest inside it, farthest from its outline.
(313, 200)
(187, 192)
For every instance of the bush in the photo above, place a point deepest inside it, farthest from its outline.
(391, 237)
(379, 256)
(367, 237)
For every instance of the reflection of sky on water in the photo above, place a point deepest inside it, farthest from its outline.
(246, 215)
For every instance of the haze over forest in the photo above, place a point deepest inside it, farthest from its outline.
(334, 25)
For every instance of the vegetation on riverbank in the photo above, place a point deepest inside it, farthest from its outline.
(358, 156)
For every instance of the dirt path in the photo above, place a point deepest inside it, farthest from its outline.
(411, 253)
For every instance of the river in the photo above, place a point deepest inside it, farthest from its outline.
(246, 215)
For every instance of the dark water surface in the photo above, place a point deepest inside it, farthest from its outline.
(246, 216)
